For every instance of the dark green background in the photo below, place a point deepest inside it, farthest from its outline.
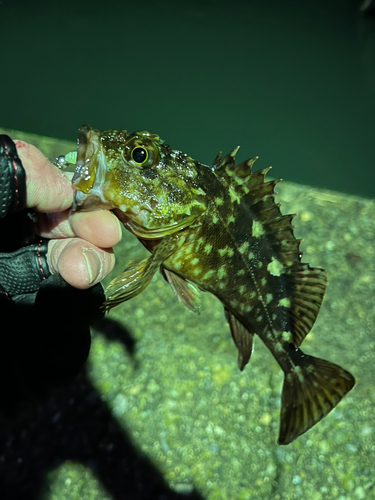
(291, 81)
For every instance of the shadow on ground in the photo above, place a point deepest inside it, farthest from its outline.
(41, 428)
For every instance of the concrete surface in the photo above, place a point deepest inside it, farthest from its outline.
(170, 381)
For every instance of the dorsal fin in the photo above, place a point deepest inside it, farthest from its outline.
(217, 160)
(259, 196)
(307, 284)
(230, 172)
(220, 164)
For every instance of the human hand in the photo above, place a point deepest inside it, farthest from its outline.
(80, 246)
(51, 262)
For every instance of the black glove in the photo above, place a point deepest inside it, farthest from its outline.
(45, 321)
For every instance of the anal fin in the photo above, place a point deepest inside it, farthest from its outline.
(311, 390)
(242, 338)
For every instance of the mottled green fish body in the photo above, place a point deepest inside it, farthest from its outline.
(216, 229)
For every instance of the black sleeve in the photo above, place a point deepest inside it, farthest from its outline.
(44, 330)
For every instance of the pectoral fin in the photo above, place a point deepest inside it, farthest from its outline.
(243, 339)
(138, 274)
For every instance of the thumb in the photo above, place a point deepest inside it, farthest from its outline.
(79, 262)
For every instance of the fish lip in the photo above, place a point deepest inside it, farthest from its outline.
(78, 200)
(82, 143)
(88, 149)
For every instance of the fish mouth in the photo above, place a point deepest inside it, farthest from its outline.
(90, 171)
(83, 141)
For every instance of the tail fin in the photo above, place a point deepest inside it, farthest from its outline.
(311, 390)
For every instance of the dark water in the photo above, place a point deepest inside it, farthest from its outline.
(290, 81)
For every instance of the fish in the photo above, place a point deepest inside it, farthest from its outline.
(216, 229)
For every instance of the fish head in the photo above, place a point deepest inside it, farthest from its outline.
(153, 190)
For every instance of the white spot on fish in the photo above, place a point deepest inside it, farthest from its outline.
(179, 254)
(222, 251)
(200, 241)
(198, 191)
(222, 272)
(242, 249)
(208, 274)
(257, 229)
(279, 348)
(269, 298)
(233, 195)
(241, 307)
(187, 250)
(229, 172)
(285, 302)
(287, 336)
(275, 267)
(208, 248)
(298, 371)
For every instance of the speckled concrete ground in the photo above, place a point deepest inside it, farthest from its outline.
(170, 380)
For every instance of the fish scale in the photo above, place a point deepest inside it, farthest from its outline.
(216, 229)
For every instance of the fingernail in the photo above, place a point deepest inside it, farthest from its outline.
(94, 263)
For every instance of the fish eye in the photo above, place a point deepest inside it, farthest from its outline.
(141, 152)
(139, 155)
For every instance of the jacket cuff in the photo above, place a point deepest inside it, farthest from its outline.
(12, 179)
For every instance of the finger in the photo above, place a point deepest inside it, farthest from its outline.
(101, 227)
(47, 189)
(54, 225)
(79, 262)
